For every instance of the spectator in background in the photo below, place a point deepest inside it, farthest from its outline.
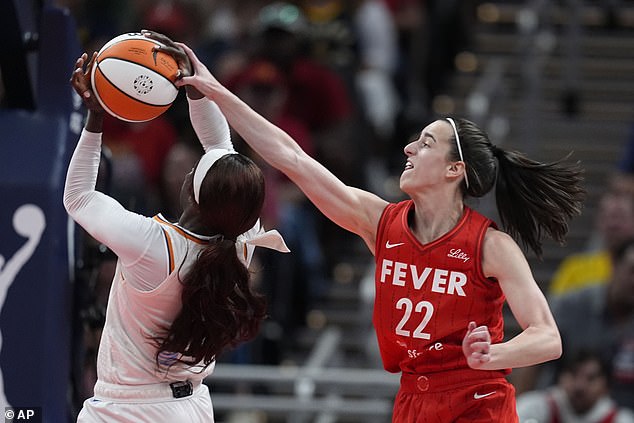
(581, 395)
(358, 38)
(331, 35)
(265, 87)
(375, 82)
(448, 31)
(318, 96)
(180, 19)
(600, 317)
(614, 223)
(296, 281)
(138, 156)
(409, 18)
(378, 59)
(227, 31)
(320, 99)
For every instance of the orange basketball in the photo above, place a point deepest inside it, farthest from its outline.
(131, 81)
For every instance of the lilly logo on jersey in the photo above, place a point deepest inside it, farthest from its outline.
(457, 253)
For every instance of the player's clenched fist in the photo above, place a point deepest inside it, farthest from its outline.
(476, 345)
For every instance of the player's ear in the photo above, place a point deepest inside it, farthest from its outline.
(455, 169)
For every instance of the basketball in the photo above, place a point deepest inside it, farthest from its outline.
(131, 81)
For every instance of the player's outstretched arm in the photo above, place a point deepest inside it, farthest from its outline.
(353, 209)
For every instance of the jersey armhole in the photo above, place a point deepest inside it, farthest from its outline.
(381, 226)
(171, 265)
(487, 223)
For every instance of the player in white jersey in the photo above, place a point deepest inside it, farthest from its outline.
(181, 292)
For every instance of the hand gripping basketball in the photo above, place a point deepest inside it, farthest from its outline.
(80, 80)
(132, 79)
(170, 47)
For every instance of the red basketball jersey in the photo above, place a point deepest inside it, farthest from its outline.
(426, 294)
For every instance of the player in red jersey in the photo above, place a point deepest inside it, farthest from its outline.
(443, 271)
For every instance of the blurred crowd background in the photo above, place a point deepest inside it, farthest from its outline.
(353, 81)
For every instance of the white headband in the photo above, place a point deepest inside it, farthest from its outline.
(455, 131)
(206, 161)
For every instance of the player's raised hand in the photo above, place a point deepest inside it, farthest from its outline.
(80, 80)
(201, 74)
(173, 49)
(476, 345)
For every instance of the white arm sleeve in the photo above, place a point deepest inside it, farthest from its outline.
(137, 240)
(210, 124)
